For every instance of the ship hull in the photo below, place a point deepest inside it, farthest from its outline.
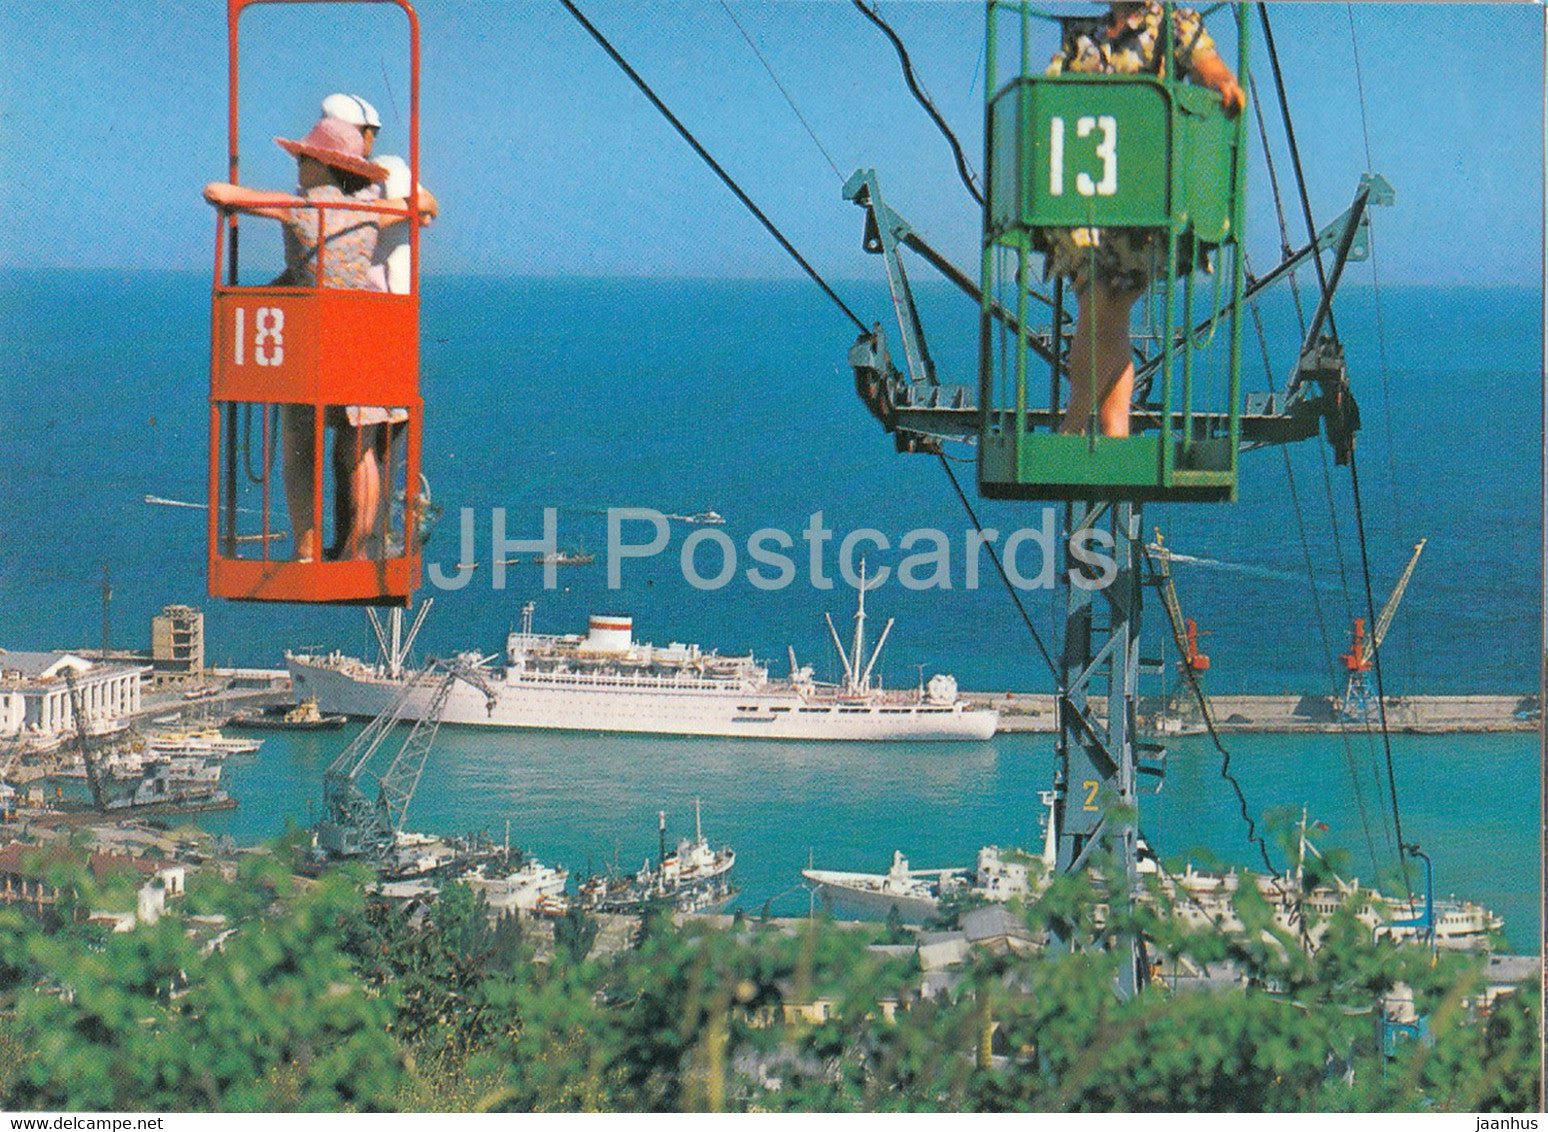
(658, 710)
(845, 892)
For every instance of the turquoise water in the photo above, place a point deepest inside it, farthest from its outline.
(688, 395)
(586, 800)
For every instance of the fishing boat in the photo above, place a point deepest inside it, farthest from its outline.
(695, 878)
(608, 681)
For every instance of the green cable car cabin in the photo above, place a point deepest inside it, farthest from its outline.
(1110, 151)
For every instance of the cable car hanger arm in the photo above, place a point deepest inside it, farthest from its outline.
(1349, 233)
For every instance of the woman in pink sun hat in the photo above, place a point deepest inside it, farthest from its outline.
(331, 167)
(331, 246)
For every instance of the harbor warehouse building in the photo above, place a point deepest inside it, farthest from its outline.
(35, 698)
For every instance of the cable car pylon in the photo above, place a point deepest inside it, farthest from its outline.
(1192, 187)
(1182, 447)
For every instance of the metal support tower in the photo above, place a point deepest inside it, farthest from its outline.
(1097, 785)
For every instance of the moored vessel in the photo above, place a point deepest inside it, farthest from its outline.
(608, 681)
(915, 893)
(304, 716)
(695, 878)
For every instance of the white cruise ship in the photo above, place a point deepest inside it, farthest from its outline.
(607, 681)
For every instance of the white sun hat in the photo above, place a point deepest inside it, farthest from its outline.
(351, 108)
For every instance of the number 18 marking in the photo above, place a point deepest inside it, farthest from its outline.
(268, 336)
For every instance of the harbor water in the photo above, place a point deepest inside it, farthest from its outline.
(590, 801)
(735, 396)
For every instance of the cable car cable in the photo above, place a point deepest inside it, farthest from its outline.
(968, 177)
(790, 101)
(1328, 651)
(711, 162)
(1253, 836)
(1322, 627)
(1268, 36)
(1004, 577)
(1042, 648)
(1381, 333)
(1295, 156)
(1285, 248)
(1381, 692)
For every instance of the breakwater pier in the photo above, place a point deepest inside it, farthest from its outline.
(1420, 715)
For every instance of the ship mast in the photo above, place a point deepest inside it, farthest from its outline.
(852, 683)
(394, 644)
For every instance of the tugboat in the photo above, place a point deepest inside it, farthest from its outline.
(304, 716)
(696, 878)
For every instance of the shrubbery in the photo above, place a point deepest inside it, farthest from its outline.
(322, 1000)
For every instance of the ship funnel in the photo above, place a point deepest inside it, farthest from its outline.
(610, 634)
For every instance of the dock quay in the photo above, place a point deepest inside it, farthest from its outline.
(1291, 714)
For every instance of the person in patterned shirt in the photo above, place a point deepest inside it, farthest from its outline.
(330, 246)
(1111, 268)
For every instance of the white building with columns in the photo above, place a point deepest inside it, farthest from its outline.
(35, 699)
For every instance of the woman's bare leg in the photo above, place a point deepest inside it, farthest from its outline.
(1079, 369)
(1101, 361)
(297, 436)
(365, 496)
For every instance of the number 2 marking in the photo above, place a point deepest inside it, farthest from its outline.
(1091, 786)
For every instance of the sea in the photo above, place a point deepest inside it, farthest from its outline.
(684, 396)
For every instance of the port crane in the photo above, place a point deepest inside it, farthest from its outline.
(1359, 703)
(361, 822)
(83, 740)
(1192, 663)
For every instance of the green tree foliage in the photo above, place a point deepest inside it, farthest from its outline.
(276, 1019)
(323, 998)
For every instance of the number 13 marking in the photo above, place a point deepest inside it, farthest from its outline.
(1107, 150)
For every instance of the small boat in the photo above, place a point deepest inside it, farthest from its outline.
(565, 558)
(206, 741)
(303, 716)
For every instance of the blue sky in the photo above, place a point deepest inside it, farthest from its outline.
(548, 162)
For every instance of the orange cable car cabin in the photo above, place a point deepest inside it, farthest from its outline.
(315, 411)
